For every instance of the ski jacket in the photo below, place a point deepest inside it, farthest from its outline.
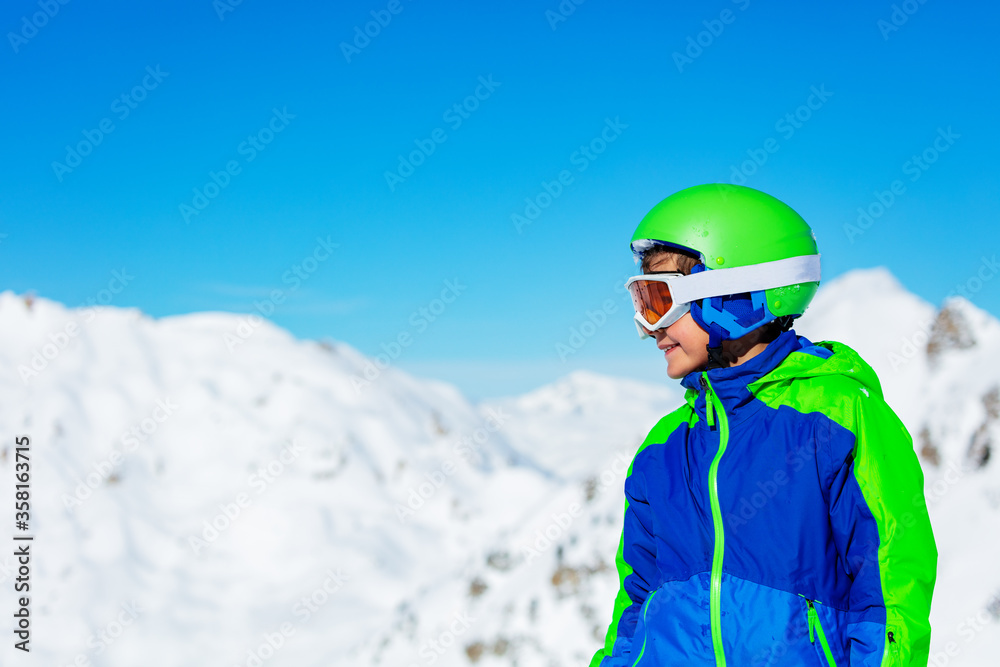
(776, 518)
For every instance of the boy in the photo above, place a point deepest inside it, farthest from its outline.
(778, 517)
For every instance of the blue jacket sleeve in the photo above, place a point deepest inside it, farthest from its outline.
(636, 562)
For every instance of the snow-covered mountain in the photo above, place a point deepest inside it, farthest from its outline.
(210, 490)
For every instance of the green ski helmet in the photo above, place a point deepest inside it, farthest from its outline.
(758, 256)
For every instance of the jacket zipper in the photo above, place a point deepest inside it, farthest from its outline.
(645, 610)
(714, 409)
(816, 628)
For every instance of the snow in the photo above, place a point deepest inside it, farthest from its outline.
(363, 516)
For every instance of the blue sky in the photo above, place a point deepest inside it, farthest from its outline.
(310, 128)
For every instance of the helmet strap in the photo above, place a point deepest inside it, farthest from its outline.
(714, 357)
(716, 334)
(714, 347)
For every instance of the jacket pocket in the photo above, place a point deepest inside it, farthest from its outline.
(816, 632)
(645, 627)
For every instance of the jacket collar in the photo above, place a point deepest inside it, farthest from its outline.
(731, 384)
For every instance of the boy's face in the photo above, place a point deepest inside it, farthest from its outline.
(684, 343)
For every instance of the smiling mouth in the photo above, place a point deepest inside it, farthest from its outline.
(668, 348)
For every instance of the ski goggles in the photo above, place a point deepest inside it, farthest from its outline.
(660, 299)
(654, 303)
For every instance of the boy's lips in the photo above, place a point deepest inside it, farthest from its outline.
(667, 348)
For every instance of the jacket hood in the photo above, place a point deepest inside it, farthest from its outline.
(839, 359)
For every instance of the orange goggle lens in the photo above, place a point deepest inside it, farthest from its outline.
(651, 299)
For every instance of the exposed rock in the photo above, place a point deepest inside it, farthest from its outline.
(928, 450)
(950, 331)
(993, 607)
(991, 401)
(567, 580)
(475, 651)
(477, 587)
(500, 646)
(980, 447)
(500, 560)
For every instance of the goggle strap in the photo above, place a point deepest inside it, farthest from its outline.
(740, 279)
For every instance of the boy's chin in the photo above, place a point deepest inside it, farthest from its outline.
(678, 371)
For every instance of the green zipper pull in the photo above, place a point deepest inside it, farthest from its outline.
(812, 622)
(709, 403)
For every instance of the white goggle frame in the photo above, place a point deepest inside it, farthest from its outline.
(676, 311)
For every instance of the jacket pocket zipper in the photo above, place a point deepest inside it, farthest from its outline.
(645, 610)
(892, 645)
(816, 629)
